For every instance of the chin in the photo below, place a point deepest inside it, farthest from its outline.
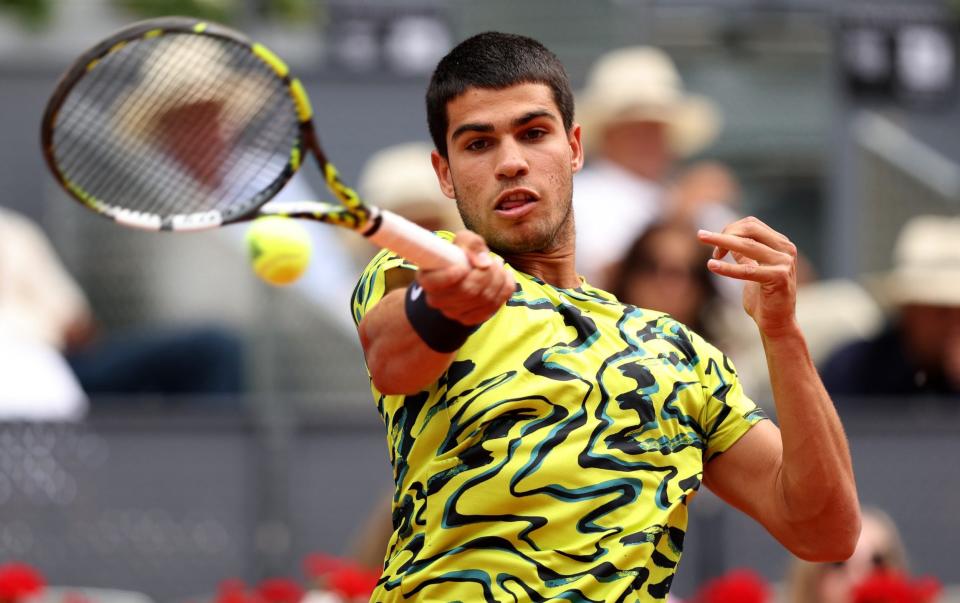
(531, 243)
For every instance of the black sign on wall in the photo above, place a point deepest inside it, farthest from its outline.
(406, 39)
(899, 57)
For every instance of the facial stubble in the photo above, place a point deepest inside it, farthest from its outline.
(540, 241)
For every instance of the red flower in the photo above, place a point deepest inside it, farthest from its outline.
(893, 587)
(738, 586)
(346, 578)
(234, 591)
(321, 565)
(18, 580)
(350, 582)
(280, 590)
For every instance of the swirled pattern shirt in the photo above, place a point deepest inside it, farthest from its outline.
(555, 458)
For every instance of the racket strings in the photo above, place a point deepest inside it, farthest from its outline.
(130, 154)
(263, 164)
(84, 129)
(95, 96)
(161, 75)
(176, 125)
(194, 141)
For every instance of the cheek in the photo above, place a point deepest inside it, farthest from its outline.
(561, 170)
(467, 175)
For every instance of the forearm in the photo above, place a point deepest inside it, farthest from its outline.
(815, 482)
(398, 359)
(796, 480)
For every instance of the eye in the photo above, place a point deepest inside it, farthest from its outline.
(534, 133)
(477, 144)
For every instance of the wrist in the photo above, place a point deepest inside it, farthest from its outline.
(437, 331)
(789, 329)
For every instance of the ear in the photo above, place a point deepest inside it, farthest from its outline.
(442, 167)
(576, 148)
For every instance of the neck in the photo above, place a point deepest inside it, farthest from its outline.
(555, 264)
(555, 268)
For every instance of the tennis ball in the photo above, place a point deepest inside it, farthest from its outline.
(279, 249)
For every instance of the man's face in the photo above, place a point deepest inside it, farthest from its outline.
(932, 334)
(510, 166)
(641, 146)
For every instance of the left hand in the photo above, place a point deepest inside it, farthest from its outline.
(767, 260)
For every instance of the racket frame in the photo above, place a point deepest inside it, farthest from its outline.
(382, 227)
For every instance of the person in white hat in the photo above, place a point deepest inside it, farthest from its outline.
(919, 351)
(637, 121)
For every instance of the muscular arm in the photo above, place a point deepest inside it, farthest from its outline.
(399, 360)
(797, 481)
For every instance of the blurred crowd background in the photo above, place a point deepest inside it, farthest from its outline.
(242, 436)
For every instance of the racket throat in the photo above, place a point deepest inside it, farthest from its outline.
(373, 224)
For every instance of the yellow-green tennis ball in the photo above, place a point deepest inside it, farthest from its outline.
(279, 249)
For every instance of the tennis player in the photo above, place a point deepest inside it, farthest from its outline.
(546, 440)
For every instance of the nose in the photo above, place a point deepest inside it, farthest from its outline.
(511, 162)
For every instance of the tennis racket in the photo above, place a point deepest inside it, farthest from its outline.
(177, 124)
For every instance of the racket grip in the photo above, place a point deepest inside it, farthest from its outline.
(415, 243)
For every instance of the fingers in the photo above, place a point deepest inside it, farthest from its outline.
(477, 254)
(752, 229)
(762, 254)
(751, 238)
(748, 248)
(758, 273)
(471, 294)
(476, 248)
(442, 278)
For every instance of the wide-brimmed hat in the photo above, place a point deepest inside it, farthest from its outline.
(926, 263)
(401, 178)
(641, 83)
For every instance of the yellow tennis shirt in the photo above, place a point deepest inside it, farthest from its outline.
(556, 457)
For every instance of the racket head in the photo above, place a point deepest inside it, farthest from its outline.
(179, 124)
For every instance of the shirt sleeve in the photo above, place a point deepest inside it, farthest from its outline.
(727, 413)
(371, 287)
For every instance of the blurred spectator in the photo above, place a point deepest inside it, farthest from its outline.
(41, 312)
(41, 307)
(918, 353)
(703, 194)
(665, 269)
(637, 123)
(879, 547)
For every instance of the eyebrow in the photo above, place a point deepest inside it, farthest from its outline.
(487, 127)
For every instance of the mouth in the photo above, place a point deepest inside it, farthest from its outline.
(516, 203)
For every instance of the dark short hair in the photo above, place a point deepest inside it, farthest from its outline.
(495, 61)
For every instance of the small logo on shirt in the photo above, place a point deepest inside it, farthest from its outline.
(415, 291)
